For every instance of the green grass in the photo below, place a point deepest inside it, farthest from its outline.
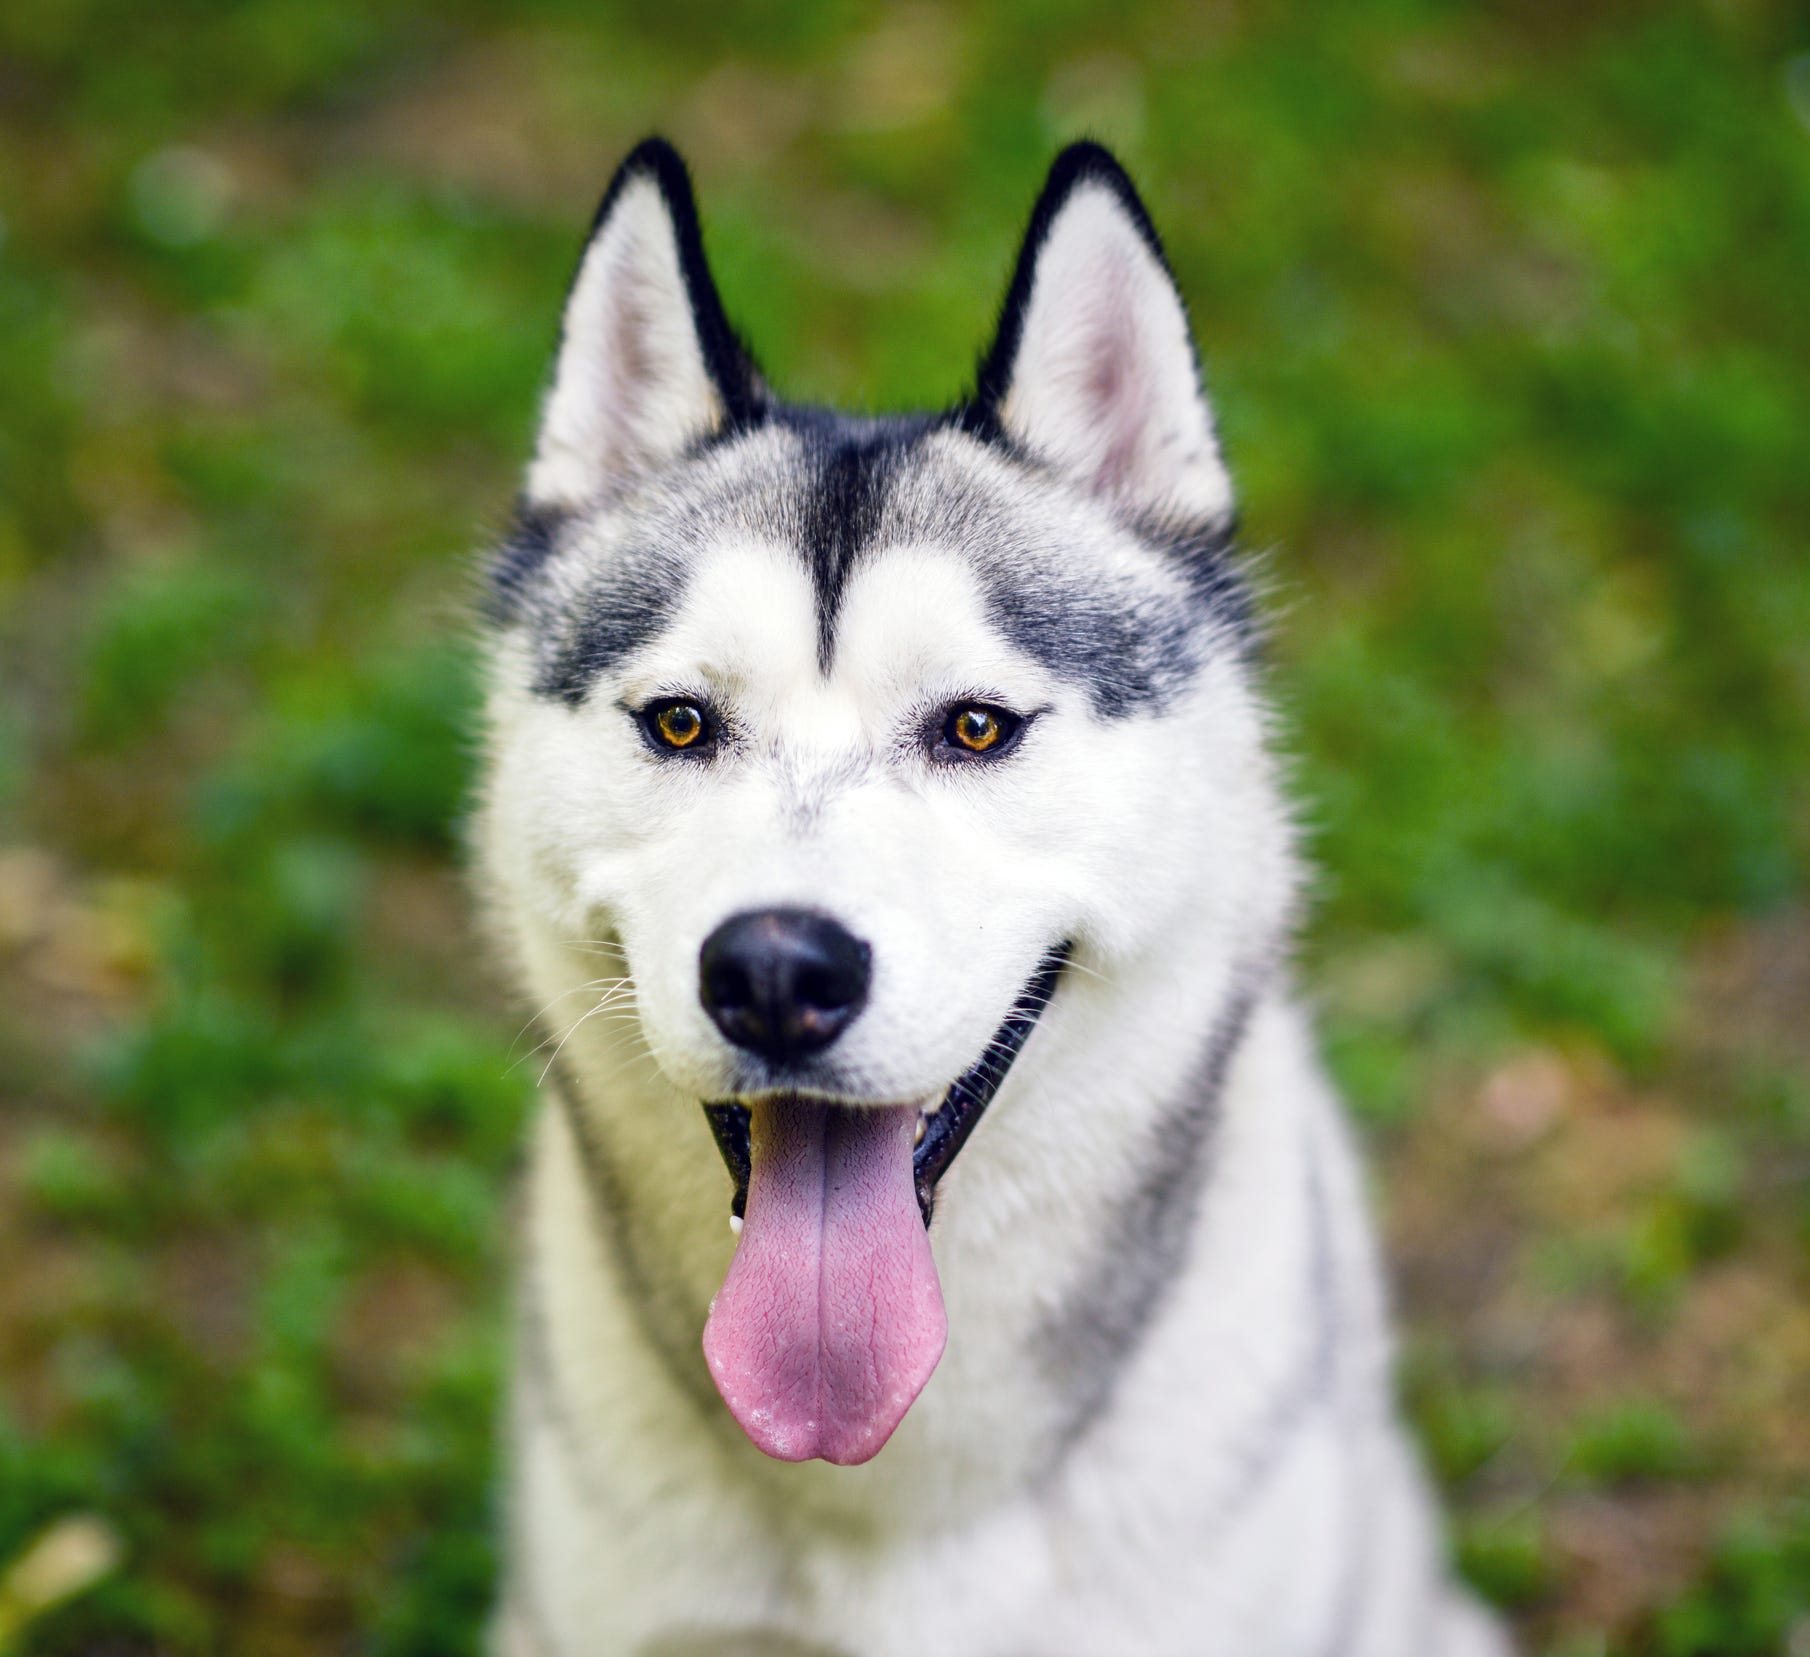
(1633, 1440)
(1505, 316)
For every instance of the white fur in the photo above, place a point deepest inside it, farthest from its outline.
(1246, 1488)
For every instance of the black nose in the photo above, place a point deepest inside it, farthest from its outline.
(782, 982)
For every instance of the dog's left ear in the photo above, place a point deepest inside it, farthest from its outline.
(647, 363)
(1093, 369)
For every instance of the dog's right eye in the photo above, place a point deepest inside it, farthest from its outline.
(678, 724)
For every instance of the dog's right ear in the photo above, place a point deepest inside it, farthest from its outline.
(647, 362)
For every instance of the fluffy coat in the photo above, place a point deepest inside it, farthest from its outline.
(1164, 1423)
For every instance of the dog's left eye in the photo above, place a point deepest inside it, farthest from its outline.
(975, 728)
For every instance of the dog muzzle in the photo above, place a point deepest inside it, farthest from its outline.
(831, 1318)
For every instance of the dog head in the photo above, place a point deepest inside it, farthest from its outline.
(848, 730)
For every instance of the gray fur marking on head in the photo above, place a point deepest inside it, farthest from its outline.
(839, 491)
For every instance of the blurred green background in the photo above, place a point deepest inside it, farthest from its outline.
(1507, 310)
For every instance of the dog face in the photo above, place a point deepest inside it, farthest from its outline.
(948, 692)
(854, 734)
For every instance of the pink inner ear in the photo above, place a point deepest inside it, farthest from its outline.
(1115, 384)
(633, 369)
(1104, 382)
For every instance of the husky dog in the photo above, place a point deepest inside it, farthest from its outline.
(939, 1235)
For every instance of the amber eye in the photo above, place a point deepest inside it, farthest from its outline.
(974, 728)
(678, 724)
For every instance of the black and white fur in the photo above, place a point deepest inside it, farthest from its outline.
(1163, 1423)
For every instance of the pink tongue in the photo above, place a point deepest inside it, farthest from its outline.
(831, 1318)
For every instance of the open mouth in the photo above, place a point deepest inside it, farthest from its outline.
(944, 1126)
(831, 1318)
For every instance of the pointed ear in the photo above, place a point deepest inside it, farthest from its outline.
(647, 362)
(1093, 370)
